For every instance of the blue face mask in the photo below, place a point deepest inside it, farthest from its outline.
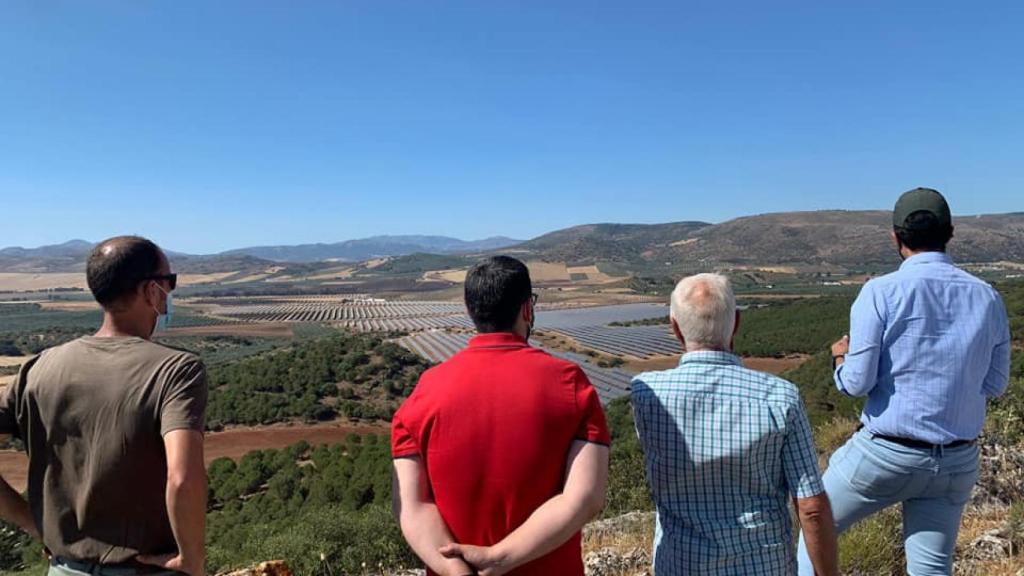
(163, 321)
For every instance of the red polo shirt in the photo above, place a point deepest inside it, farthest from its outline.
(494, 425)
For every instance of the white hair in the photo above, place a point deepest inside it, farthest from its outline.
(704, 307)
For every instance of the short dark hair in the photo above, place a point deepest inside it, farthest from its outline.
(117, 265)
(496, 289)
(923, 231)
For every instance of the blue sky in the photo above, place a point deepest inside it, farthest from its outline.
(213, 125)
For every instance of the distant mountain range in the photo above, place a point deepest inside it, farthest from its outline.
(832, 239)
(71, 256)
(375, 247)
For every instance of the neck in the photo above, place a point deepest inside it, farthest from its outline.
(907, 252)
(119, 325)
(708, 349)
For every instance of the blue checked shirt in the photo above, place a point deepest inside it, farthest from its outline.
(929, 344)
(725, 449)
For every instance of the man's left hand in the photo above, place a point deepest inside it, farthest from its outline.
(841, 347)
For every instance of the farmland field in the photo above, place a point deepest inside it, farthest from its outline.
(233, 443)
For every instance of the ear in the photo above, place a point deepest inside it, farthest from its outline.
(895, 239)
(735, 329)
(526, 312)
(678, 333)
(147, 293)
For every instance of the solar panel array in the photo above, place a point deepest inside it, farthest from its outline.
(638, 341)
(438, 346)
(363, 315)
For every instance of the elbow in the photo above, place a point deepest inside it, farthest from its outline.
(814, 512)
(593, 504)
(186, 482)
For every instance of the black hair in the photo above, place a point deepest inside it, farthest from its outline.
(116, 267)
(923, 232)
(496, 289)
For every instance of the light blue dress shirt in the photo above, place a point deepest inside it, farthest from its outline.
(929, 345)
(725, 449)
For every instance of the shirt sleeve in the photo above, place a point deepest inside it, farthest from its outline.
(184, 402)
(9, 408)
(10, 398)
(998, 376)
(859, 372)
(403, 443)
(799, 457)
(593, 426)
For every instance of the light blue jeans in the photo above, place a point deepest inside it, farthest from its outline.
(869, 474)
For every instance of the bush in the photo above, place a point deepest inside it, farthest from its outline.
(874, 545)
(326, 540)
(628, 489)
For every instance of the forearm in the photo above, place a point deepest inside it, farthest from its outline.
(546, 529)
(186, 509)
(15, 509)
(426, 532)
(820, 539)
(998, 376)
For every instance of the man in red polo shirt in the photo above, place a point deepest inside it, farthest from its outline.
(501, 453)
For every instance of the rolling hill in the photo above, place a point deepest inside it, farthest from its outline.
(834, 239)
(826, 239)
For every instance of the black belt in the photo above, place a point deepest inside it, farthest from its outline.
(910, 443)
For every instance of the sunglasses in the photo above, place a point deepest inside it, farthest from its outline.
(172, 279)
(533, 298)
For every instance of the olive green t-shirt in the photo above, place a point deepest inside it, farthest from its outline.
(92, 414)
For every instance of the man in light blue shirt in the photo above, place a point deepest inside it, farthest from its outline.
(726, 448)
(929, 344)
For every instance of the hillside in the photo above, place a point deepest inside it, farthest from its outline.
(843, 239)
(593, 243)
(832, 239)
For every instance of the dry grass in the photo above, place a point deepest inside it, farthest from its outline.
(13, 360)
(457, 276)
(775, 365)
(28, 282)
(548, 271)
(65, 306)
(212, 278)
(638, 536)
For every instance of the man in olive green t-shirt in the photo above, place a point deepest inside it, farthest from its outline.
(113, 426)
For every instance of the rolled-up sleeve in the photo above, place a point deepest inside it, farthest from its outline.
(799, 457)
(998, 376)
(859, 371)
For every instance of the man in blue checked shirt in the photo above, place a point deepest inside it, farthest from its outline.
(929, 344)
(725, 449)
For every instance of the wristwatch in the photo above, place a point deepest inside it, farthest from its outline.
(834, 358)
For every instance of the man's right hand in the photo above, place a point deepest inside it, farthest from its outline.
(174, 562)
(841, 347)
(485, 559)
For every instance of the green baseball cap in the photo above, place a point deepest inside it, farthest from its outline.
(921, 199)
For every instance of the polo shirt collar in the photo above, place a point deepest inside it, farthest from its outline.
(497, 339)
(927, 258)
(710, 357)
